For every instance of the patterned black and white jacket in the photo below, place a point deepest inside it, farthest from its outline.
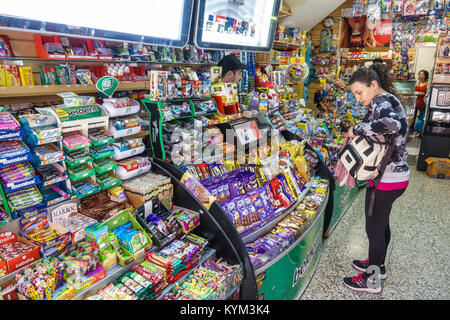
(388, 117)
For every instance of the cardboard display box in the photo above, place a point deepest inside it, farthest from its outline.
(438, 168)
(3, 268)
(38, 219)
(64, 213)
(21, 260)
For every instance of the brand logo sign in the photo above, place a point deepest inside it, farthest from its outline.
(63, 211)
(383, 31)
(107, 85)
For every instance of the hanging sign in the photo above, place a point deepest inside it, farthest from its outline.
(107, 85)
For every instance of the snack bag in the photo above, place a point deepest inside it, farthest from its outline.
(422, 7)
(48, 75)
(26, 76)
(358, 8)
(233, 214)
(243, 212)
(12, 76)
(278, 192)
(2, 76)
(386, 6)
(409, 7)
(397, 7)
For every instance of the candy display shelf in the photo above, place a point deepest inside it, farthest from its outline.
(118, 113)
(159, 111)
(111, 275)
(114, 60)
(272, 223)
(207, 255)
(85, 126)
(317, 219)
(48, 90)
(284, 45)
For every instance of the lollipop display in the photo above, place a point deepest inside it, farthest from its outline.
(297, 72)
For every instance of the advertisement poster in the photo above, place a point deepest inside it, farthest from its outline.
(355, 34)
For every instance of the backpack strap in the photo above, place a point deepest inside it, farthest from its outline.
(382, 167)
(366, 116)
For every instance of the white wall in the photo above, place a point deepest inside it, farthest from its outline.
(308, 13)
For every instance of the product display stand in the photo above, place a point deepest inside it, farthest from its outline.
(221, 245)
(172, 110)
(56, 189)
(9, 190)
(82, 126)
(218, 213)
(303, 252)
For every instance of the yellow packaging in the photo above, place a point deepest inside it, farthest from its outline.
(2, 76)
(12, 76)
(302, 167)
(26, 76)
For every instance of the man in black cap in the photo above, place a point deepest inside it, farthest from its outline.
(231, 68)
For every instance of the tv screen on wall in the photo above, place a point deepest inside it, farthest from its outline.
(149, 22)
(248, 25)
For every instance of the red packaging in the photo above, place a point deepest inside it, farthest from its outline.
(276, 203)
(24, 258)
(3, 268)
(9, 292)
(278, 194)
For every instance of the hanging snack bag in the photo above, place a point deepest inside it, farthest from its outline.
(409, 7)
(397, 7)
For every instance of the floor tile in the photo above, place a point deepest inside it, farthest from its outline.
(417, 260)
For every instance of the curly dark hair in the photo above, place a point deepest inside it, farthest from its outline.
(425, 72)
(376, 72)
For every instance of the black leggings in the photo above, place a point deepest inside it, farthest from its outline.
(421, 112)
(377, 225)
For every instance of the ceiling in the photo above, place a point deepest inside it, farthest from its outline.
(308, 13)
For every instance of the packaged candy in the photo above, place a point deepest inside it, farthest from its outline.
(62, 75)
(5, 47)
(187, 219)
(74, 140)
(397, 7)
(12, 75)
(48, 75)
(26, 76)
(233, 214)
(255, 218)
(278, 193)
(409, 7)
(84, 76)
(422, 7)
(243, 212)
(2, 76)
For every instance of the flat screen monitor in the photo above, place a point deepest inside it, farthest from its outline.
(164, 22)
(247, 25)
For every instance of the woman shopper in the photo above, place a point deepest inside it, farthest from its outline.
(420, 93)
(374, 88)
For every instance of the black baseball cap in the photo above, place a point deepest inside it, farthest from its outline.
(231, 63)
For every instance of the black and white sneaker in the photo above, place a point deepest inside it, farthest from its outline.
(362, 283)
(362, 265)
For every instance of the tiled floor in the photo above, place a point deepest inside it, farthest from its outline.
(417, 261)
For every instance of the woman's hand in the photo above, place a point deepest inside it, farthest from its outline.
(350, 133)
